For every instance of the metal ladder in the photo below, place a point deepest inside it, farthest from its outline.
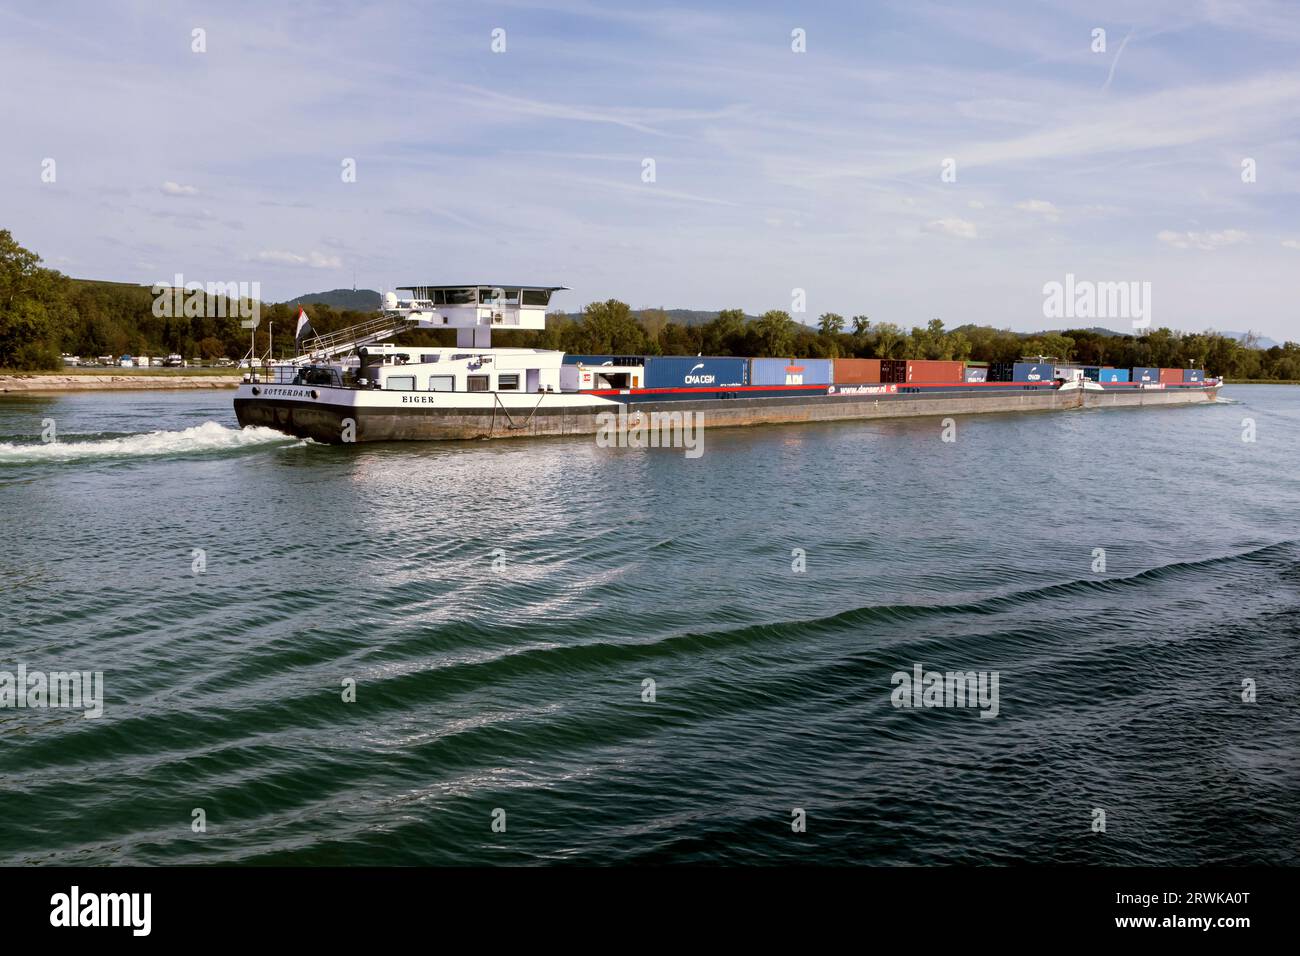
(354, 336)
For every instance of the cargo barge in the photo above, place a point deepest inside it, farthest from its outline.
(353, 386)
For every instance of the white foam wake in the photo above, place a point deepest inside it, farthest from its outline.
(208, 437)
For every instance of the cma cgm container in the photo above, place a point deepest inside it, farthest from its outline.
(928, 370)
(976, 373)
(779, 371)
(855, 371)
(1151, 375)
(1171, 376)
(1113, 375)
(1193, 375)
(893, 370)
(690, 371)
(1032, 372)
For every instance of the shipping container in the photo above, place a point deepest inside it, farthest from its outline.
(929, 370)
(1193, 375)
(1032, 372)
(856, 371)
(1092, 372)
(1171, 376)
(1113, 375)
(1150, 375)
(780, 371)
(893, 371)
(1002, 372)
(677, 371)
(977, 373)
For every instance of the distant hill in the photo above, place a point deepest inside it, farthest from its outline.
(358, 300)
(1263, 342)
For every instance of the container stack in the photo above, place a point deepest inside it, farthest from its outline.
(1002, 372)
(934, 372)
(1033, 372)
(893, 371)
(782, 371)
(856, 371)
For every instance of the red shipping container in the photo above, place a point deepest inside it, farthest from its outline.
(855, 371)
(1171, 376)
(934, 371)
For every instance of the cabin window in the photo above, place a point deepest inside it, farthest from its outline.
(476, 383)
(400, 383)
(460, 297)
(442, 383)
(508, 382)
(429, 358)
(439, 298)
(535, 297)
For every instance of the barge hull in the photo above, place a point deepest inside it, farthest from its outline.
(336, 416)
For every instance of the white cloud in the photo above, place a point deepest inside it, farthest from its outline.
(957, 228)
(1202, 240)
(1040, 206)
(1291, 243)
(312, 260)
(975, 204)
(170, 188)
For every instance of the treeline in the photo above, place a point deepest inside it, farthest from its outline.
(43, 314)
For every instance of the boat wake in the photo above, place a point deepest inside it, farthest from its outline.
(208, 437)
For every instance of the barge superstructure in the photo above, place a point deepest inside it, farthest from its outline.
(355, 385)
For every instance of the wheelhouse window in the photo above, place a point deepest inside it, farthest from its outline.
(508, 382)
(535, 297)
(442, 383)
(400, 383)
(460, 297)
(476, 383)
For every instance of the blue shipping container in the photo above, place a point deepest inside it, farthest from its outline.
(1093, 373)
(674, 371)
(779, 371)
(976, 373)
(1193, 375)
(1146, 375)
(1032, 372)
(1113, 375)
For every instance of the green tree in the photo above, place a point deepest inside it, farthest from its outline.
(775, 331)
(609, 328)
(30, 299)
(830, 324)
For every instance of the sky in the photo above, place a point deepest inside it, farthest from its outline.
(902, 160)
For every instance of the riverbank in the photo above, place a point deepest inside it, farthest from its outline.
(90, 381)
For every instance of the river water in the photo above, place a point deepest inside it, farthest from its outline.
(565, 653)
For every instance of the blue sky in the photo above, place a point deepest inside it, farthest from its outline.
(774, 170)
